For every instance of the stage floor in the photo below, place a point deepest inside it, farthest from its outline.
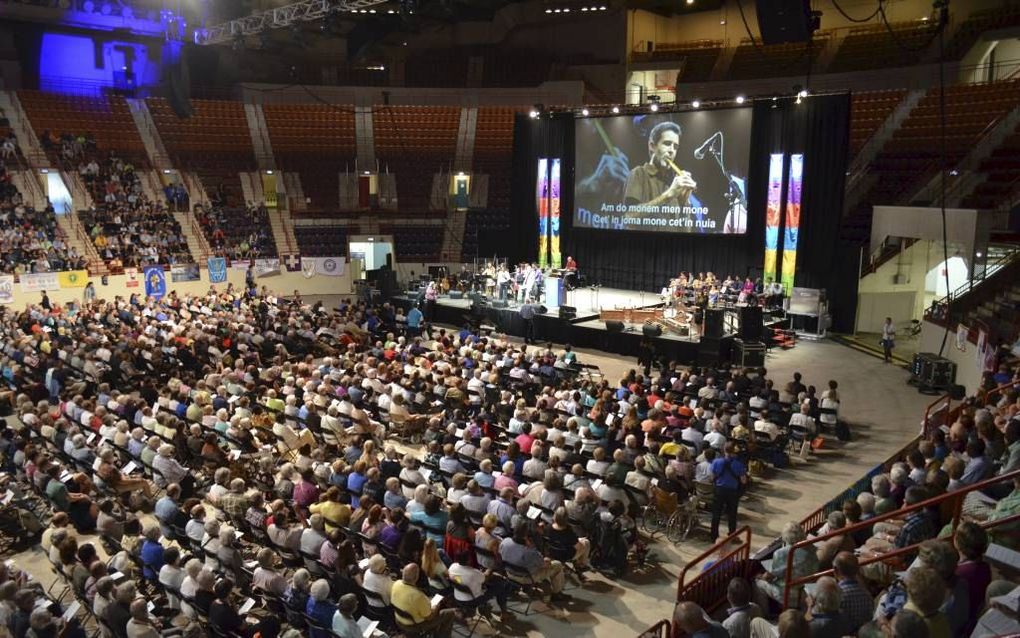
(587, 301)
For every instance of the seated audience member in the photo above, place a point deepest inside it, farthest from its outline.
(415, 611)
(741, 610)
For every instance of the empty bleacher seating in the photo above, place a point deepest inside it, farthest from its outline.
(494, 134)
(414, 143)
(416, 243)
(317, 142)
(697, 58)
(868, 111)
(1002, 175)
(214, 142)
(755, 60)
(238, 232)
(873, 47)
(967, 34)
(322, 241)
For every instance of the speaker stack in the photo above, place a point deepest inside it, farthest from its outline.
(568, 312)
(785, 21)
(614, 326)
(751, 324)
(714, 323)
(652, 330)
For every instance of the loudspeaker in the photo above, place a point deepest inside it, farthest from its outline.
(709, 352)
(652, 330)
(614, 326)
(541, 310)
(500, 303)
(781, 21)
(714, 323)
(568, 312)
(456, 294)
(751, 324)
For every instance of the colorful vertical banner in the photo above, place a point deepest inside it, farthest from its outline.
(155, 282)
(555, 258)
(269, 189)
(772, 204)
(792, 227)
(542, 193)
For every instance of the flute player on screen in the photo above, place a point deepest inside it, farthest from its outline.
(659, 182)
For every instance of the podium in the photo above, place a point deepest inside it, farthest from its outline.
(554, 297)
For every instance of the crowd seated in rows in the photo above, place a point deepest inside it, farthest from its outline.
(236, 233)
(68, 146)
(30, 241)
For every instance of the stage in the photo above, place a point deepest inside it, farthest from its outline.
(587, 330)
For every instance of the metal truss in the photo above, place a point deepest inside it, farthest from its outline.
(280, 17)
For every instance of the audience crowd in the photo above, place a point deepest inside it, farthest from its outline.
(237, 233)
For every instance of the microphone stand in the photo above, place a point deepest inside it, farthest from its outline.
(733, 193)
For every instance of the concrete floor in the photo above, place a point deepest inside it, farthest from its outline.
(884, 413)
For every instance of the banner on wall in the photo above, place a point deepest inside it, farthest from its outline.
(269, 189)
(292, 262)
(962, 332)
(39, 282)
(6, 289)
(772, 204)
(267, 267)
(982, 343)
(326, 266)
(155, 281)
(73, 278)
(792, 228)
(555, 259)
(132, 278)
(184, 272)
(217, 270)
(542, 194)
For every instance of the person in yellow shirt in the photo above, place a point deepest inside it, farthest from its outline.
(273, 402)
(416, 606)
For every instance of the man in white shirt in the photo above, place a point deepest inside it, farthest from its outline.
(716, 438)
(767, 426)
(691, 435)
(804, 420)
(483, 586)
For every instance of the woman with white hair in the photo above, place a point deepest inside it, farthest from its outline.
(376, 580)
(189, 586)
(421, 497)
(772, 583)
(229, 557)
(211, 543)
(115, 480)
(320, 608)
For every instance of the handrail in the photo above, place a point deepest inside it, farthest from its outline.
(984, 394)
(661, 629)
(706, 588)
(957, 496)
(926, 424)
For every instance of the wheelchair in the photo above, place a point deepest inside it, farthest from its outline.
(665, 513)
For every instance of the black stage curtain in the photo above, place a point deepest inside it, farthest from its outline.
(818, 128)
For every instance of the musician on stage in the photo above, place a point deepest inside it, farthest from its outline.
(656, 183)
(571, 264)
(503, 279)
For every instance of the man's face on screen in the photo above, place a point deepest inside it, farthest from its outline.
(664, 149)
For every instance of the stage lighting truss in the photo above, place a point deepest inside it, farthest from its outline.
(282, 17)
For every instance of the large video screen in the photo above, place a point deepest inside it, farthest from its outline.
(663, 172)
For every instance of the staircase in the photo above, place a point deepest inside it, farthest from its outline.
(247, 188)
(77, 237)
(196, 191)
(152, 186)
(969, 173)
(198, 246)
(364, 137)
(151, 139)
(33, 151)
(295, 192)
(259, 131)
(828, 52)
(453, 235)
(464, 155)
(81, 198)
(283, 231)
(32, 193)
(886, 253)
(859, 167)
(990, 300)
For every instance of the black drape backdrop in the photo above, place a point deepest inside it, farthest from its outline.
(818, 128)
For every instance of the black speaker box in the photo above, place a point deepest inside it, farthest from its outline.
(614, 326)
(751, 325)
(456, 294)
(652, 330)
(714, 323)
(568, 312)
(782, 21)
(500, 303)
(541, 310)
(709, 352)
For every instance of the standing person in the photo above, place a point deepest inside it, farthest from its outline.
(249, 279)
(45, 302)
(90, 293)
(730, 478)
(888, 338)
(528, 312)
(431, 294)
(503, 282)
(414, 319)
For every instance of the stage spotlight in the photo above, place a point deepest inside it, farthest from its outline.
(548, 10)
(566, 11)
(978, 254)
(954, 172)
(696, 104)
(690, 2)
(802, 93)
(533, 114)
(740, 99)
(722, 22)
(584, 8)
(584, 112)
(602, 8)
(654, 107)
(616, 109)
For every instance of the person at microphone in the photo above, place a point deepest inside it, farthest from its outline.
(656, 183)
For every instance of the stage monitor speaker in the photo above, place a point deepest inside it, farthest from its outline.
(710, 352)
(500, 303)
(652, 330)
(614, 326)
(456, 294)
(751, 324)
(568, 312)
(714, 322)
(783, 21)
(541, 310)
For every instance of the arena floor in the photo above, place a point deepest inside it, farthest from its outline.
(884, 413)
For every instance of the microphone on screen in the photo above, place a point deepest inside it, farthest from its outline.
(707, 145)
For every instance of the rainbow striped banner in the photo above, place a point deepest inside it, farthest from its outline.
(794, 181)
(554, 215)
(772, 204)
(542, 194)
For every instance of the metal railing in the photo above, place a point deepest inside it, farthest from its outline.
(953, 500)
(708, 588)
(661, 629)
